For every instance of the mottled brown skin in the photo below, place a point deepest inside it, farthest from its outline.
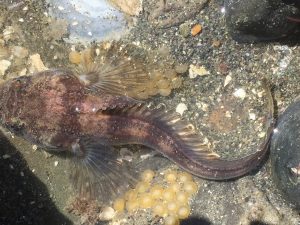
(53, 109)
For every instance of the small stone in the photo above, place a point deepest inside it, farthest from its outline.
(19, 52)
(181, 68)
(8, 32)
(23, 72)
(216, 43)
(228, 78)
(262, 134)
(196, 29)
(184, 30)
(130, 7)
(55, 163)
(252, 116)
(195, 71)
(36, 63)
(181, 107)
(240, 93)
(107, 214)
(6, 156)
(4, 65)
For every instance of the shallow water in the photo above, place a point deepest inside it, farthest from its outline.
(233, 125)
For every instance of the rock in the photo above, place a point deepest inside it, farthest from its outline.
(107, 213)
(285, 153)
(130, 7)
(195, 71)
(256, 20)
(19, 52)
(181, 107)
(4, 65)
(240, 93)
(36, 64)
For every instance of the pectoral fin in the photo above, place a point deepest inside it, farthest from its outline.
(113, 79)
(96, 171)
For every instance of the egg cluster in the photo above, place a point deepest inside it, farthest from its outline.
(168, 198)
(154, 80)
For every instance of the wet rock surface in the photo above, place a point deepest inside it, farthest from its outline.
(254, 20)
(230, 120)
(285, 153)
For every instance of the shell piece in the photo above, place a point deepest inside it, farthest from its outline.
(285, 153)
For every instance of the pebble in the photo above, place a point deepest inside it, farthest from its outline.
(181, 107)
(240, 93)
(36, 63)
(132, 7)
(4, 65)
(228, 78)
(19, 52)
(107, 213)
(196, 29)
(195, 71)
(6, 156)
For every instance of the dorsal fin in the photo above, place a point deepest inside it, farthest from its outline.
(171, 122)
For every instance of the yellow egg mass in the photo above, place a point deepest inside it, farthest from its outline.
(159, 209)
(119, 204)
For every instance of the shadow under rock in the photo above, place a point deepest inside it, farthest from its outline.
(24, 199)
(195, 221)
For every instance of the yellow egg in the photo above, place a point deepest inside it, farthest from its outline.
(159, 209)
(155, 75)
(147, 175)
(146, 201)
(142, 187)
(183, 212)
(74, 57)
(170, 74)
(119, 204)
(172, 207)
(171, 176)
(156, 191)
(168, 194)
(132, 205)
(131, 194)
(171, 220)
(163, 84)
(190, 187)
(184, 177)
(165, 92)
(175, 187)
(176, 82)
(182, 198)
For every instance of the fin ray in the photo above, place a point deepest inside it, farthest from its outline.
(96, 171)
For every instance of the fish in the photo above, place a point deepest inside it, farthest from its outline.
(87, 114)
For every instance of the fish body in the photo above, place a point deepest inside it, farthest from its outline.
(54, 109)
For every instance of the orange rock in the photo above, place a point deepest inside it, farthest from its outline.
(196, 29)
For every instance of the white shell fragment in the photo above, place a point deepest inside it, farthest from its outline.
(107, 213)
(195, 71)
(4, 65)
(240, 93)
(36, 64)
(181, 107)
(228, 78)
